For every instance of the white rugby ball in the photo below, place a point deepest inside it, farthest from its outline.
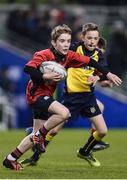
(54, 67)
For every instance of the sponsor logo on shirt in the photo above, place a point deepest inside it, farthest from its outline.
(46, 97)
(92, 110)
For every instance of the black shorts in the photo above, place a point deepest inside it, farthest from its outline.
(40, 107)
(83, 104)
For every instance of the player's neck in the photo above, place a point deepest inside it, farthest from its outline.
(58, 56)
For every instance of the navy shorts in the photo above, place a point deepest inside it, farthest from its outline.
(40, 107)
(83, 104)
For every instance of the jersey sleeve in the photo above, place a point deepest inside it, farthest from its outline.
(103, 62)
(75, 45)
(32, 67)
(76, 60)
(34, 73)
(37, 59)
(102, 59)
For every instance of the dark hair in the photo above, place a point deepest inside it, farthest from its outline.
(89, 27)
(102, 43)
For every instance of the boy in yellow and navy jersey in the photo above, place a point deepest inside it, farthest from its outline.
(77, 80)
(79, 95)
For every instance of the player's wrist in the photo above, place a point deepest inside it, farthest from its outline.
(100, 68)
(43, 77)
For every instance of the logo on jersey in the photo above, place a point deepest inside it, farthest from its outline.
(92, 110)
(46, 97)
(88, 68)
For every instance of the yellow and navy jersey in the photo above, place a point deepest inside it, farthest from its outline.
(77, 78)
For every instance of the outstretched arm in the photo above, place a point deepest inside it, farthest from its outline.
(112, 77)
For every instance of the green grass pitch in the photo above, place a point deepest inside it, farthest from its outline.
(60, 160)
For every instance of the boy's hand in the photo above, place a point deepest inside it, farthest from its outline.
(106, 83)
(114, 79)
(93, 79)
(51, 76)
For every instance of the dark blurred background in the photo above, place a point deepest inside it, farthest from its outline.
(25, 27)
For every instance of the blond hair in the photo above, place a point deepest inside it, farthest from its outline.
(89, 27)
(58, 30)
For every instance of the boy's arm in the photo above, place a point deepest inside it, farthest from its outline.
(112, 77)
(34, 73)
(80, 61)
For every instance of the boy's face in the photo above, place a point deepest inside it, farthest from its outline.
(91, 39)
(62, 44)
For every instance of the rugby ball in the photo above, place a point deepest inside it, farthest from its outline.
(54, 67)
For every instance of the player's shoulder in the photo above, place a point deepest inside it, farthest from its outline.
(98, 51)
(75, 45)
(44, 53)
(100, 54)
